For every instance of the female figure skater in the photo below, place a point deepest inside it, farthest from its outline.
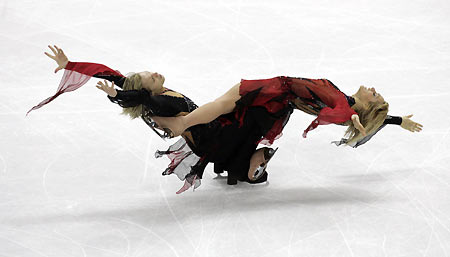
(227, 141)
(365, 113)
(314, 96)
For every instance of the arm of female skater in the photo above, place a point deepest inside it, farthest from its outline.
(405, 122)
(341, 113)
(76, 75)
(86, 68)
(160, 105)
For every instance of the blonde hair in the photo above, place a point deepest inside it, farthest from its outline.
(133, 82)
(371, 118)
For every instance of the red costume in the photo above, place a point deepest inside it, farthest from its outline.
(319, 96)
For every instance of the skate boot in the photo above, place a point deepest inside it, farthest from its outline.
(167, 132)
(218, 169)
(261, 170)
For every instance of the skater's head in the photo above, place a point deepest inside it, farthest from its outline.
(372, 110)
(368, 95)
(152, 81)
(133, 82)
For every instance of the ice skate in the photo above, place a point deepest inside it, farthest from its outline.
(167, 133)
(261, 170)
(172, 126)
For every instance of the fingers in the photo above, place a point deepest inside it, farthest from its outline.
(57, 48)
(60, 51)
(363, 132)
(101, 86)
(415, 127)
(104, 85)
(418, 127)
(53, 49)
(49, 55)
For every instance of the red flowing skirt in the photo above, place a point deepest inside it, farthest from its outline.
(273, 94)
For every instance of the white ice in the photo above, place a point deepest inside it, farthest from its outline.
(79, 179)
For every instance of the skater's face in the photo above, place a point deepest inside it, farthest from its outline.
(152, 81)
(369, 95)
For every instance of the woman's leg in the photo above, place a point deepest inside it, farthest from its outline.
(204, 114)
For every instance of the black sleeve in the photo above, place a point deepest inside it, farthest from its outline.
(393, 120)
(118, 80)
(130, 98)
(159, 105)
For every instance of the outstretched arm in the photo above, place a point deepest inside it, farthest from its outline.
(77, 74)
(160, 105)
(90, 69)
(405, 122)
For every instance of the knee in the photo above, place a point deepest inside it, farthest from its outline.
(225, 104)
(228, 100)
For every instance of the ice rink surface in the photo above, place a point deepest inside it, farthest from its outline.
(78, 179)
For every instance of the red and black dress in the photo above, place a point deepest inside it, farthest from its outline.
(260, 116)
(230, 140)
(318, 97)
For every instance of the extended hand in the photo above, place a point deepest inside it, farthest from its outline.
(60, 57)
(410, 125)
(358, 125)
(111, 91)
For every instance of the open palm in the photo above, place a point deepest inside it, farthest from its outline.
(59, 56)
(410, 125)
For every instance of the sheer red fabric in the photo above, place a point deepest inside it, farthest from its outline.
(76, 74)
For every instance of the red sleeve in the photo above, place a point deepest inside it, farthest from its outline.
(98, 71)
(340, 114)
(92, 69)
